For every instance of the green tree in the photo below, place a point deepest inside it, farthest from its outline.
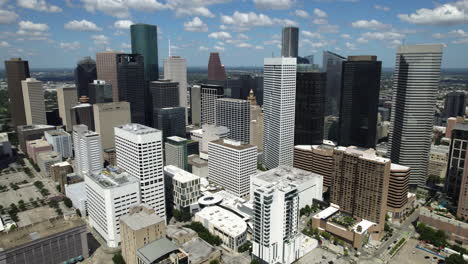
(455, 259)
(68, 203)
(118, 259)
(254, 261)
(326, 235)
(214, 261)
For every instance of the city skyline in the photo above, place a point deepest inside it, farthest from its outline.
(243, 34)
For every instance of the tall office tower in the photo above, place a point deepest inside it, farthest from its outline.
(456, 160)
(256, 123)
(276, 207)
(133, 87)
(258, 80)
(195, 105)
(231, 164)
(88, 154)
(359, 101)
(455, 103)
(106, 117)
(280, 95)
(332, 65)
(235, 115)
(164, 93)
(360, 184)
(175, 150)
(209, 94)
(415, 85)
(398, 187)
(82, 113)
(85, 73)
(170, 120)
(175, 69)
(110, 193)
(462, 207)
(290, 42)
(16, 71)
(317, 159)
(139, 227)
(27, 133)
(145, 42)
(139, 151)
(100, 92)
(66, 99)
(310, 108)
(33, 97)
(106, 67)
(61, 141)
(216, 71)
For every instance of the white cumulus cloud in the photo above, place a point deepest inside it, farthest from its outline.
(121, 8)
(220, 35)
(258, 47)
(301, 13)
(100, 40)
(244, 45)
(351, 46)
(443, 15)
(381, 7)
(244, 21)
(28, 25)
(4, 44)
(320, 13)
(70, 45)
(273, 4)
(370, 24)
(123, 24)
(195, 25)
(383, 35)
(7, 17)
(346, 36)
(83, 25)
(39, 5)
(203, 48)
(311, 34)
(219, 48)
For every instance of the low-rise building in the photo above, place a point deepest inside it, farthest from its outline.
(180, 235)
(228, 226)
(206, 134)
(438, 159)
(457, 231)
(110, 193)
(161, 251)
(138, 228)
(200, 252)
(45, 160)
(53, 241)
(76, 192)
(36, 146)
(59, 172)
(182, 189)
(198, 166)
(31, 132)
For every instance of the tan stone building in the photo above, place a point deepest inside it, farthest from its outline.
(399, 200)
(317, 159)
(106, 117)
(360, 184)
(66, 98)
(58, 173)
(138, 228)
(256, 122)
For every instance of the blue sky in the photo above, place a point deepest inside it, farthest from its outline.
(57, 33)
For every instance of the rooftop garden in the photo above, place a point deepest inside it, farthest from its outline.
(343, 220)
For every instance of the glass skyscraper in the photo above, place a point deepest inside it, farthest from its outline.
(145, 42)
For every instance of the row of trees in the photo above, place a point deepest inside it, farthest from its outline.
(204, 234)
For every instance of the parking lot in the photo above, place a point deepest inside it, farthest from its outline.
(409, 254)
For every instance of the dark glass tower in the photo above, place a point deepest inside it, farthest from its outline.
(164, 93)
(170, 120)
(132, 86)
(360, 89)
(310, 108)
(455, 104)
(16, 71)
(290, 42)
(145, 42)
(332, 64)
(85, 73)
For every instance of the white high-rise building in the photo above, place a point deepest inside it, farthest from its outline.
(88, 153)
(275, 223)
(110, 193)
(139, 152)
(235, 115)
(415, 86)
(175, 151)
(279, 88)
(61, 141)
(175, 69)
(231, 165)
(34, 105)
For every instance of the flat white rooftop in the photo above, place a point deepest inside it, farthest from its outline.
(224, 220)
(112, 178)
(287, 174)
(331, 210)
(180, 175)
(137, 129)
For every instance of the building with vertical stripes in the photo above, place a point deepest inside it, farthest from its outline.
(209, 94)
(235, 115)
(88, 150)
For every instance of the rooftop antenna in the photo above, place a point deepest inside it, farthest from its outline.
(169, 48)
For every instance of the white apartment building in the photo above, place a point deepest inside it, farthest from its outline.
(309, 185)
(139, 152)
(279, 88)
(223, 223)
(110, 193)
(34, 105)
(275, 223)
(87, 145)
(235, 115)
(183, 188)
(175, 151)
(61, 141)
(231, 165)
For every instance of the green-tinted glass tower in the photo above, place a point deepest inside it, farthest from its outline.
(145, 42)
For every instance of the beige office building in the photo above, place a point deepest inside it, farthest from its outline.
(34, 106)
(66, 99)
(138, 228)
(256, 122)
(360, 184)
(106, 117)
(317, 159)
(106, 67)
(397, 200)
